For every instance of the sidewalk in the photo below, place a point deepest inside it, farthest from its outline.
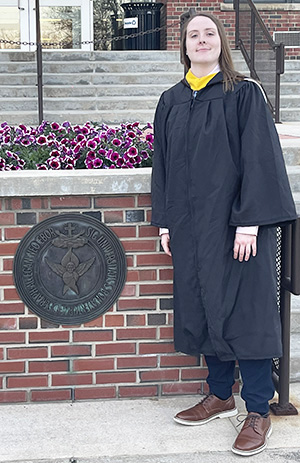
(132, 431)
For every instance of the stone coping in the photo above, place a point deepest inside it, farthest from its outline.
(263, 7)
(74, 182)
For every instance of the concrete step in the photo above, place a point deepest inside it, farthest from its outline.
(95, 79)
(116, 103)
(59, 67)
(296, 196)
(72, 67)
(290, 101)
(294, 177)
(78, 117)
(291, 151)
(78, 104)
(295, 357)
(290, 114)
(78, 55)
(290, 88)
(290, 64)
(80, 91)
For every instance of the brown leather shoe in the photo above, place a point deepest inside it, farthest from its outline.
(253, 436)
(208, 409)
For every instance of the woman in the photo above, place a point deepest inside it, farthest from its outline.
(219, 189)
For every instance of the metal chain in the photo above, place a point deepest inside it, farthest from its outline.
(95, 42)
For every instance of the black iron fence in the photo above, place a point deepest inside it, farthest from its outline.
(288, 272)
(264, 57)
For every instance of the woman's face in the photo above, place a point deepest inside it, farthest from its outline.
(203, 43)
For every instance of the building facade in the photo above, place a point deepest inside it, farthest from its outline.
(74, 22)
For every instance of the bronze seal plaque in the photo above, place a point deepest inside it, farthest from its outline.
(70, 269)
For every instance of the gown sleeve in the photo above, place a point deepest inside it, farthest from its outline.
(264, 196)
(158, 179)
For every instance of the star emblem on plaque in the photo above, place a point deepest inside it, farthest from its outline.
(70, 269)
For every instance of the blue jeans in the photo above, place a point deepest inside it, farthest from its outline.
(258, 387)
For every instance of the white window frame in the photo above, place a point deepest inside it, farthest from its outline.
(28, 23)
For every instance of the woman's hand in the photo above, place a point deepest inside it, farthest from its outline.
(243, 246)
(165, 242)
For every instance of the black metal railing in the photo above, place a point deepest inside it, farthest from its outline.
(264, 57)
(288, 272)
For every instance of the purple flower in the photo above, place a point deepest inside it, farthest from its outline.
(6, 139)
(91, 144)
(66, 124)
(89, 164)
(97, 163)
(41, 167)
(132, 151)
(41, 140)
(149, 137)
(55, 126)
(85, 130)
(54, 153)
(25, 142)
(135, 124)
(69, 166)
(102, 152)
(120, 162)
(112, 166)
(129, 126)
(9, 154)
(116, 142)
(91, 155)
(2, 163)
(138, 159)
(54, 163)
(21, 162)
(114, 156)
(23, 127)
(144, 154)
(77, 148)
(80, 137)
(131, 134)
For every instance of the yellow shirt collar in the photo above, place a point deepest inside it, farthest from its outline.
(196, 83)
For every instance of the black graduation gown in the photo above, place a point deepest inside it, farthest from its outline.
(217, 165)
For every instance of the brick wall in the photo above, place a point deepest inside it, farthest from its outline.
(127, 352)
(276, 18)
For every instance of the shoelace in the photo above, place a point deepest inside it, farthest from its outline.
(252, 419)
(205, 398)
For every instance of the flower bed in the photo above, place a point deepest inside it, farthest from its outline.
(53, 146)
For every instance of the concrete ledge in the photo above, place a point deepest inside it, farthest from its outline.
(263, 6)
(74, 182)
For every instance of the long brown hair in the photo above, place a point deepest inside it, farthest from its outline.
(230, 75)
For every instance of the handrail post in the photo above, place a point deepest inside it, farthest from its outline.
(279, 70)
(236, 5)
(39, 60)
(252, 47)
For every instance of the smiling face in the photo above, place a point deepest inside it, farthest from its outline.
(203, 45)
